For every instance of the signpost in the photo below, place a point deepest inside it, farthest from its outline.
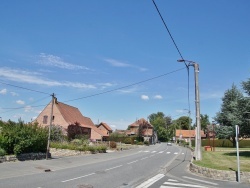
(237, 148)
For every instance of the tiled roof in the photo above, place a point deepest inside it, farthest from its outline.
(188, 133)
(141, 121)
(72, 114)
(105, 125)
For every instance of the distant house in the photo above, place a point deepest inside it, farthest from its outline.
(144, 129)
(65, 115)
(105, 129)
(186, 134)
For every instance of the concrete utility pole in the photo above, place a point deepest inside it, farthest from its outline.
(51, 119)
(198, 155)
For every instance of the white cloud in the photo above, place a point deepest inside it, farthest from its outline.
(3, 91)
(34, 78)
(20, 102)
(28, 109)
(113, 126)
(13, 93)
(144, 97)
(106, 85)
(158, 97)
(55, 61)
(117, 63)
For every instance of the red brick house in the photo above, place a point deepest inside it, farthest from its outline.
(105, 129)
(65, 115)
(143, 128)
(186, 134)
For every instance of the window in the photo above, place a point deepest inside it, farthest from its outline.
(45, 119)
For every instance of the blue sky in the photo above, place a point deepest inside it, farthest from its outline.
(97, 51)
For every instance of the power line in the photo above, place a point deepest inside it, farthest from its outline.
(167, 29)
(136, 83)
(176, 49)
(24, 88)
(27, 105)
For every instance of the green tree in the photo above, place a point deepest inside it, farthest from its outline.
(233, 108)
(161, 124)
(204, 121)
(183, 122)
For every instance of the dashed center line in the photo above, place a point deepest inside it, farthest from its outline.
(133, 162)
(144, 158)
(113, 168)
(77, 177)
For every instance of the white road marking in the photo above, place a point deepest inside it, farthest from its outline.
(144, 158)
(182, 153)
(151, 155)
(133, 162)
(153, 151)
(172, 180)
(184, 185)
(161, 151)
(150, 181)
(77, 177)
(168, 152)
(208, 182)
(176, 153)
(113, 168)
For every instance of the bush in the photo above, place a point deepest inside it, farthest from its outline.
(127, 141)
(113, 144)
(146, 143)
(139, 143)
(2, 152)
(17, 138)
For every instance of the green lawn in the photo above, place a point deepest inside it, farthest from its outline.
(225, 159)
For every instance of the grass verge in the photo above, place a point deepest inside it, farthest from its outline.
(225, 159)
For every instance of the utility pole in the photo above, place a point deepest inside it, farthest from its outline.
(51, 119)
(197, 107)
(197, 110)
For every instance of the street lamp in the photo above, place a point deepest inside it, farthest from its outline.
(197, 107)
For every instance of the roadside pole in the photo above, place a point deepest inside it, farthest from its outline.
(51, 119)
(237, 148)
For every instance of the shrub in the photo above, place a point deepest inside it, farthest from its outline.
(113, 144)
(146, 143)
(19, 138)
(127, 141)
(2, 152)
(139, 143)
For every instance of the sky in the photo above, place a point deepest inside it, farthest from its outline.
(115, 61)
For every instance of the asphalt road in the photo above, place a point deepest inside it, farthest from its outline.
(153, 166)
(110, 170)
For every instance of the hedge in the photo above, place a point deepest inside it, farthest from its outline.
(223, 143)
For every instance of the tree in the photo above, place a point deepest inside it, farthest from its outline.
(161, 124)
(233, 108)
(76, 130)
(183, 122)
(204, 121)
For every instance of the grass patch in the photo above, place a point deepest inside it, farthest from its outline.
(225, 159)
